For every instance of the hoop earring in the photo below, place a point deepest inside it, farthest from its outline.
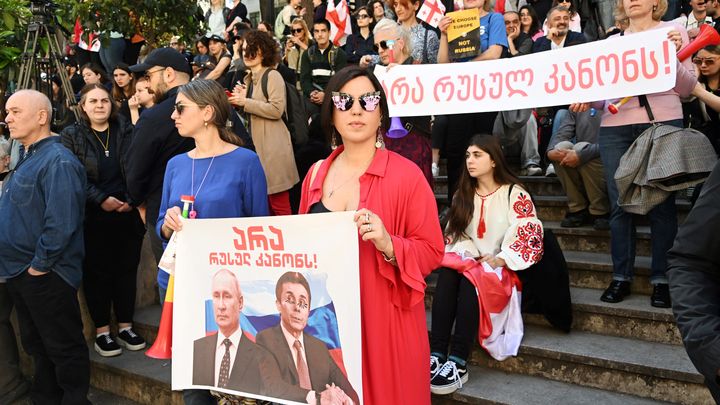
(379, 141)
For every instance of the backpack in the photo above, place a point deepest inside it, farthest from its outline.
(295, 116)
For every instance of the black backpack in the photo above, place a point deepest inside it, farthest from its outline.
(295, 116)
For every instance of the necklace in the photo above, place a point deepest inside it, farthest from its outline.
(194, 193)
(481, 223)
(352, 177)
(105, 145)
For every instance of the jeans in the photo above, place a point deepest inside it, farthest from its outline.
(614, 141)
(455, 301)
(52, 333)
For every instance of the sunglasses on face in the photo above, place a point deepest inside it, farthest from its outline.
(564, 1)
(179, 107)
(362, 16)
(382, 45)
(297, 30)
(704, 61)
(368, 101)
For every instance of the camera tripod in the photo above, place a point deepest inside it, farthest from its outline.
(36, 69)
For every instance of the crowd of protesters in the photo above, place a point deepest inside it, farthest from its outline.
(239, 122)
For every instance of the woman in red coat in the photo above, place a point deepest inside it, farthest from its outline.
(398, 232)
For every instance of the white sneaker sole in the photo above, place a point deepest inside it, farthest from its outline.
(448, 389)
(130, 347)
(107, 353)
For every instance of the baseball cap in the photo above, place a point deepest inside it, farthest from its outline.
(216, 37)
(166, 57)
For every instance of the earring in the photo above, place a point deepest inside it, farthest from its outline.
(655, 7)
(205, 124)
(379, 141)
(333, 140)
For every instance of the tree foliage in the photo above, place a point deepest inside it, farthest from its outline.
(156, 20)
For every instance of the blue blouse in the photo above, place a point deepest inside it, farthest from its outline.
(234, 187)
(492, 32)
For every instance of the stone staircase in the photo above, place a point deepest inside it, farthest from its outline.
(626, 353)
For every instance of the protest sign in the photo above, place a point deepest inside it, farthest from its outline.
(297, 276)
(432, 11)
(463, 34)
(641, 63)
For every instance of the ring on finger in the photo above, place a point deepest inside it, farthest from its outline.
(369, 228)
(367, 217)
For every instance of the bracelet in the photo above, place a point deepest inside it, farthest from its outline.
(388, 259)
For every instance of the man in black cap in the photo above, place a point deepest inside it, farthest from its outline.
(156, 140)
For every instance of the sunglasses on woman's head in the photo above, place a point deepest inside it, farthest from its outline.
(368, 101)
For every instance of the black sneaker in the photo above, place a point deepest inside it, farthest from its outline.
(106, 346)
(131, 340)
(449, 379)
(434, 366)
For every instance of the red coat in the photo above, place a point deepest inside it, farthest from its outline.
(396, 353)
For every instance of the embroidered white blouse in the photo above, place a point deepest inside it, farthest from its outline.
(513, 231)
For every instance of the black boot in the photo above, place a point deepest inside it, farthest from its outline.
(616, 291)
(660, 297)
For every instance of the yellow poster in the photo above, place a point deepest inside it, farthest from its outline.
(464, 34)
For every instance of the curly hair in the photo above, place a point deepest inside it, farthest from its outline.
(258, 41)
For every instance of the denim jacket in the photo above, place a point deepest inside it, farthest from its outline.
(41, 213)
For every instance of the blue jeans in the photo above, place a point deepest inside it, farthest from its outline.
(614, 141)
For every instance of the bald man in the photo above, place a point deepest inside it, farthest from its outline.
(227, 359)
(41, 251)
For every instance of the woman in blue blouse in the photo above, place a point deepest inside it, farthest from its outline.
(455, 131)
(227, 181)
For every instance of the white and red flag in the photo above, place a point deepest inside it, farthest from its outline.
(339, 18)
(432, 11)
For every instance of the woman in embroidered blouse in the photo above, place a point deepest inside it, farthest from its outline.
(424, 42)
(400, 241)
(491, 221)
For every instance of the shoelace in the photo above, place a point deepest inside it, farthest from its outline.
(450, 368)
(434, 361)
(108, 339)
(130, 332)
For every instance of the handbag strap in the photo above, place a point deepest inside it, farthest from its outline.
(645, 103)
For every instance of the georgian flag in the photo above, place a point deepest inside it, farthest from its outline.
(339, 18)
(432, 11)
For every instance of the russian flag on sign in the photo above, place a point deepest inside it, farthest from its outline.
(260, 312)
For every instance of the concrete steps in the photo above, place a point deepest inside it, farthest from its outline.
(647, 369)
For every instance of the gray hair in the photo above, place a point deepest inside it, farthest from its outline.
(397, 30)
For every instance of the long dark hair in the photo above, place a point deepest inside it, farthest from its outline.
(118, 93)
(337, 81)
(462, 208)
(209, 93)
(713, 49)
(535, 21)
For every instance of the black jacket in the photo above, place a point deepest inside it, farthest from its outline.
(694, 277)
(155, 142)
(79, 139)
(573, 38)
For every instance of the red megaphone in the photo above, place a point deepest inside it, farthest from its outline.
(706, 36)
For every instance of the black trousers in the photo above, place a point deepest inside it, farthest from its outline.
(51, 331)
(455, 301)
(113, 242)
(12, 383)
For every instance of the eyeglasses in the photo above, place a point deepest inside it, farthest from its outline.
(382, 45)
(150, 72)
(302, 304)
(704, 61)
(297, 30)
(362, 16)
(179, 107)
(564, 1)
(368, 101)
